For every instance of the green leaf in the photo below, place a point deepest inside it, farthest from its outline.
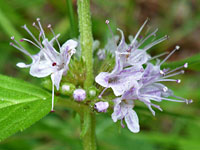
(21, 105)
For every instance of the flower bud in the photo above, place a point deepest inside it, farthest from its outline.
(67, 88)
(101, 106)
(79, 95)
(92, 92)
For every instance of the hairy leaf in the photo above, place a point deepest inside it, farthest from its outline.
(21, 105)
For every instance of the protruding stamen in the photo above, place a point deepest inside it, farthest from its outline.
(146, 38)
(155, 42)
(100, 96)
(178, 81)
(168, 80)
(107, 21)
(174, 74)
(34, 25)
(49, 26)
(52, 111)
(162, 72)
(27, 40)
(185, 65)
(165, 89)
(21, 49)
(177, 47)
(149, 103)
(29, 32)
(189, 101)
(52, 106)
(40, 26)
(163, 98)
(138, 33)
(12, 38)
(159, 55)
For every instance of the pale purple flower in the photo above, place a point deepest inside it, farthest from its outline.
(79, 95)
(48, 61)
(150, 89)
(123, 110)
(101, 106)
(133, 54)
(119, 79)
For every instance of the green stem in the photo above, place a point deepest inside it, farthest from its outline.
(88, 123)
(86, 40)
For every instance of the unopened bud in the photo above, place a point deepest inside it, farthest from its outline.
(67, 89)
(101, 106)
(79, 95)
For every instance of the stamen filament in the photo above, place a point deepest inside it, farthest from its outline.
(52, 106)
(156, 42)
(27, 40)
(55, 37)
(177, 48)
(174, 74)
(138, 33)
(42, 31)
(29, 32)
(146, 38)
(184, 66)
(100, 96)
(159, 55)
(22, 50)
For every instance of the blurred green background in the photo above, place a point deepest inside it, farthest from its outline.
(176, 128)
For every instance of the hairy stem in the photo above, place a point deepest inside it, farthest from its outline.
(86, 39)
(88, 123)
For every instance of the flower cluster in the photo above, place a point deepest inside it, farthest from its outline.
(47, 61)
(134, 77)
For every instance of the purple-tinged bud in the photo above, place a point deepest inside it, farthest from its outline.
(101, 106)
(178, 81)
(79, 95)
(12, 38)
(185, 65)
(107, 22)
